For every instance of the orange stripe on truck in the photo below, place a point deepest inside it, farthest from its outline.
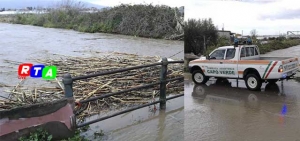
(255, 62)
(240, 72)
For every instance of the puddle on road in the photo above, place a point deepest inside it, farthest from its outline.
(142, 124)
(224, 112)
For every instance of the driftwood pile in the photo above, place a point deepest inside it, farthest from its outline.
(96, 86)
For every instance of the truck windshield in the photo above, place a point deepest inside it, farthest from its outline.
(218, 54)
(230, 53)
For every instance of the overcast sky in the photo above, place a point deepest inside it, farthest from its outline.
(268, 17)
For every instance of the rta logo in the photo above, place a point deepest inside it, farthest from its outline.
(37, 71)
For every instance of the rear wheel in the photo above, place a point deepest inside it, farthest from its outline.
(253, 82)
(199, 77)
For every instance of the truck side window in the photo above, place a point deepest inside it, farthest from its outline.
(218, 54)
(243, 53)
(248, 52)
(251, 49)
(256, 52)
(230, 53)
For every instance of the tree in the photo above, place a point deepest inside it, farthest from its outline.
(253, 33)
(198, 34)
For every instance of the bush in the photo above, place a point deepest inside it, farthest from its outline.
(39, 134)
(138, 20)
(42, 135)
(277, 44)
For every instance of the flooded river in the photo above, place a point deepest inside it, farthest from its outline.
(142, 125)
(24, 43)
(222, 112)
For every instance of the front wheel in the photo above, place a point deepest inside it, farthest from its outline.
(253, 82)
(199, 77)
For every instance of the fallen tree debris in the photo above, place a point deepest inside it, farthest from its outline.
(97, 86)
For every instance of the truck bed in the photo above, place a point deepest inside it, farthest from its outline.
(273, 58)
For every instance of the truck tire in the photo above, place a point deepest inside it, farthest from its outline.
(199, 77)
(253, 82)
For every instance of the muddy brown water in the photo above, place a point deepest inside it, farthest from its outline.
(143, 124)
(24, 43)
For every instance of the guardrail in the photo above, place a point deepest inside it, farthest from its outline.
(68, 88)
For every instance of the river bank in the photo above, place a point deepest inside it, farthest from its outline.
(159, 22)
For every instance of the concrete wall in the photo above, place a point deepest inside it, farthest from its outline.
(55, 117)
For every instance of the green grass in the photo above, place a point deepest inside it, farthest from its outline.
(42, 135)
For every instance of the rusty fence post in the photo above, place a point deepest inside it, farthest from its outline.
(163, 87)
(68, 89)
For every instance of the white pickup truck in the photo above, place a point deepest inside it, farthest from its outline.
(243, 62)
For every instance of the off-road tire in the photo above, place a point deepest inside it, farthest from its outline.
(253, 82)
(202, 80)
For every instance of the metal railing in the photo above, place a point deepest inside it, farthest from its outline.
(68, 88)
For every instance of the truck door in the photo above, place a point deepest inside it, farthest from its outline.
(216, 62)
(228, 68)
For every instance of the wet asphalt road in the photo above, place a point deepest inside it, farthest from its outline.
(219, 111)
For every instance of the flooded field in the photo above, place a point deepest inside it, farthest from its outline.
(24, 43)
(221, 111)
